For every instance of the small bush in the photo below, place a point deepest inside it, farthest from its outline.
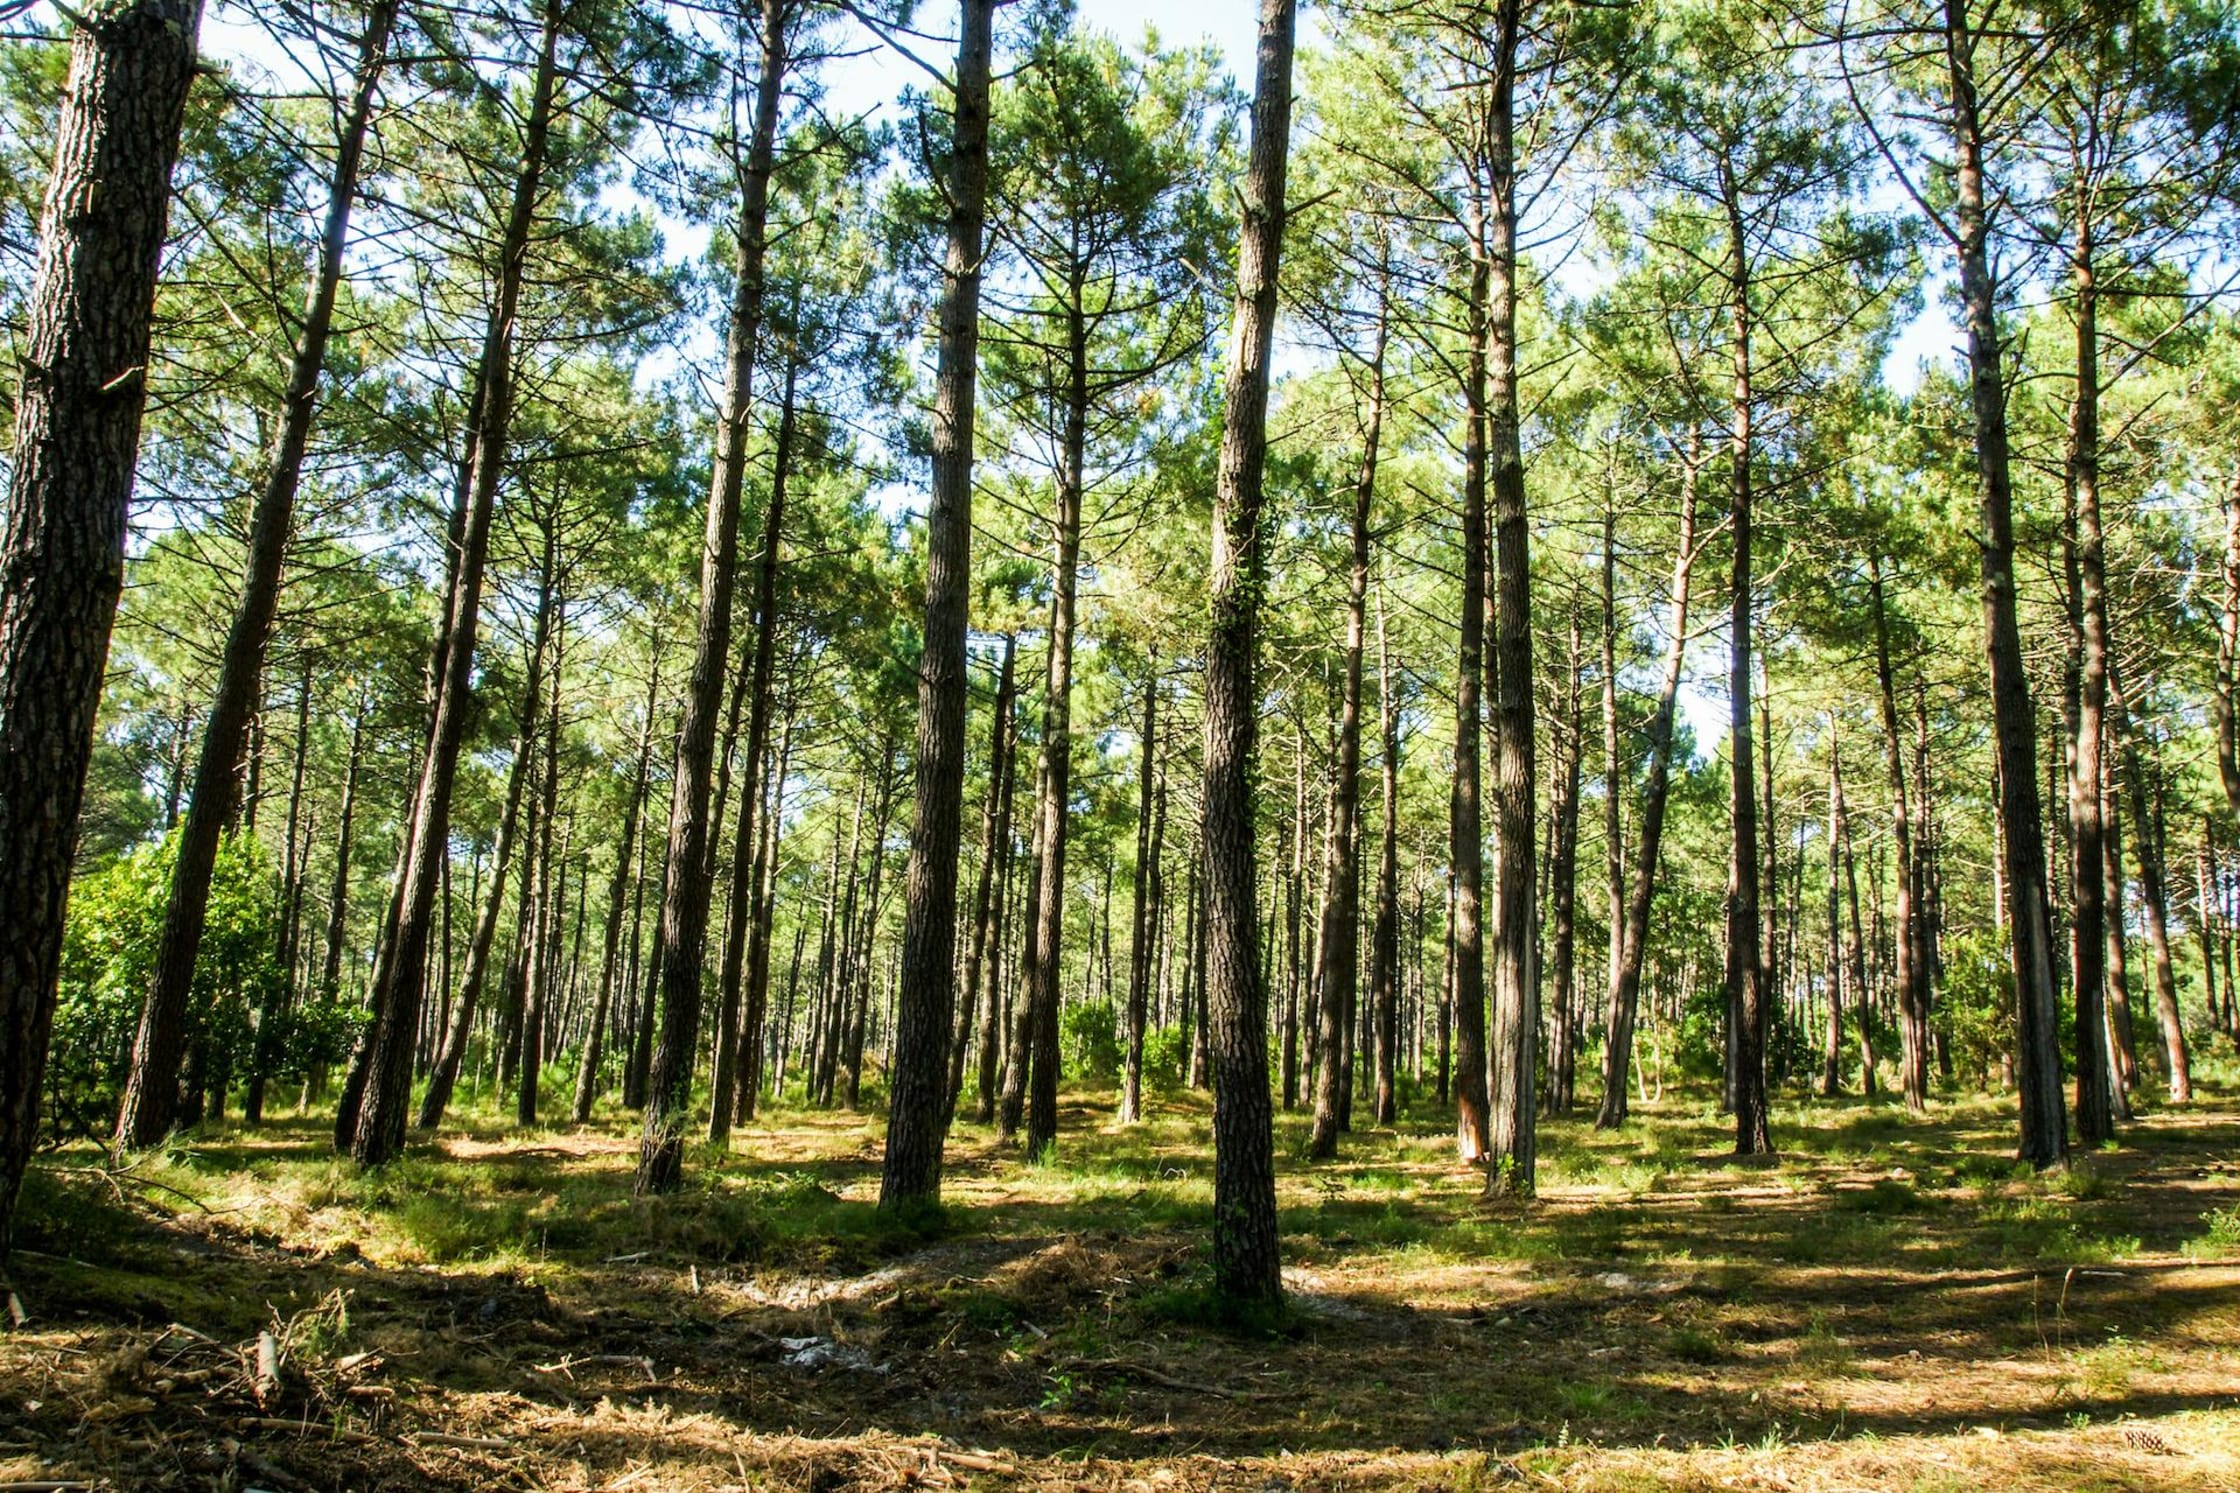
(2220, 1236)
(1090, 1034)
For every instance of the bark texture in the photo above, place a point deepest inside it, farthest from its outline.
(918, 1111)
(77, 437)
(1247, 1250)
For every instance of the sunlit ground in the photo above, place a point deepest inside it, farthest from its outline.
(1890, 1304)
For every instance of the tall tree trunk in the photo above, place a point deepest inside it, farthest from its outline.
(2223, 716)
(618, 888)
(994, 826)
(1625, 975)
(1384, 940)
(684, 909)
(444, 1074)
(1139, 933)
(1247, 1251)
(2146, 851)
(1563, 1032)
(151, 1085)
(1831, 1053)
(1613, 768)
(1746, 991)
(841, 985)
(1054, 784)
(1465, 807)
(84, 355)
(1514, 1046)
(1913, 1014)
(753, 1040)
(540, 1006)
(992, 1021)
(272, 1013)
(746, 848)
(1341, 905)
(867, 933)
(2043, 1127)
(1293, 886)
(381, 1085)
(338, 903)
(2087, 853)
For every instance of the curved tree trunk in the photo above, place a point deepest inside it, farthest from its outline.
(382, 1082)
(151, 1086)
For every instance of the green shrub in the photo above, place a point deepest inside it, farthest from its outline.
(1090, 1036)
(108, 956)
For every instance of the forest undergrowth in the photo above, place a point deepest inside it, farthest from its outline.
(1888, 1304)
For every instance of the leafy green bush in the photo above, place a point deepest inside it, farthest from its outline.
(1090, 1035)
(1163, 1057)
(108, 956)
(1977, 1001)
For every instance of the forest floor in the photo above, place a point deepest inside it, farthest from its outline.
(1889, 1305)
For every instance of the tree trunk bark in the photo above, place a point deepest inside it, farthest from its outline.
(1054, 782)
(1384, 941)
(383, 1084)
(444, 1074)
(1465, 810)
(2043, 1127)
(1563, 1032)
(151, 1086)
(84, 355)
(746, 847)
(540, 1005)
(1513, 1048)
(1341, 904)
(1139, 947)
(1746, 990)
(684, 910)
(1000, 893)
(994, 829)
(2146, 852)
(618, 888)
(1625, 975)
(1831, 1053)
(2087, 852)
(919, 1109)
(1247, 1250)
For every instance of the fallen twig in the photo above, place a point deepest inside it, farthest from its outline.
(267, 1383)
(568, 1366)
(1187, 1386)
(460, 1443)
(301, 1428)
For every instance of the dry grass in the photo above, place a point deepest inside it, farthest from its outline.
(1889, 1306)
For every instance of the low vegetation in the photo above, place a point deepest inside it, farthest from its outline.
(1890, 1303)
